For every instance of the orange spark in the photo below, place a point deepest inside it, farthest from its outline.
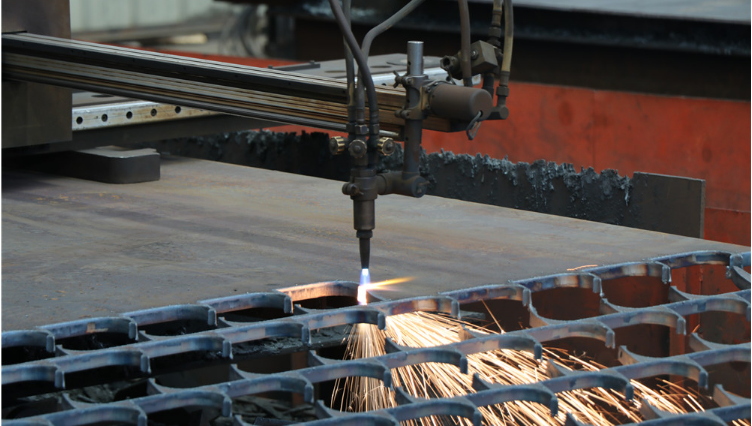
(388, 282)
(366, 286)
(596, 406)
(580, 267)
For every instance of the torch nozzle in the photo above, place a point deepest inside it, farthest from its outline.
(365, 252)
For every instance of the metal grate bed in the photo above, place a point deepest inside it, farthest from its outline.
(210, 331)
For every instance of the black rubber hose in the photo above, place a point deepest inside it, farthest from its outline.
(350, 72)
(389, 23)
(467, 77)
(243, 28)
(376, 31)
(365, 73)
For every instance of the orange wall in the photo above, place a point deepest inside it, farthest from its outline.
(700, 138)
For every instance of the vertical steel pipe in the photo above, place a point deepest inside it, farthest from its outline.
(413, 127)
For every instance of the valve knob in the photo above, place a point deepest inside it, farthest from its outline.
(350, 189)
(386, 146)
(358, 148)
(337, 145)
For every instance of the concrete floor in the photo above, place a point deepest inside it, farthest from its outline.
(76, 249)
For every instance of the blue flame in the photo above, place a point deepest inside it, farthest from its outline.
(365, 281)
(365, 277)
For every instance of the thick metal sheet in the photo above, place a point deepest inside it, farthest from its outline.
(76, 249)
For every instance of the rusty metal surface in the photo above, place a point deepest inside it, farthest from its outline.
(75, 249)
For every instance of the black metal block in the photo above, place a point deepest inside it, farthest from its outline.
(111, 165)
(106, 164)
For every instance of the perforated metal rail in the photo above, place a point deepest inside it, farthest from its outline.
(137, 348)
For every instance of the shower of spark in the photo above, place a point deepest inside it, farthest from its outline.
(596, 406)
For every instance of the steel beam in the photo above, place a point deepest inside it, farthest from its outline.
(234, 89)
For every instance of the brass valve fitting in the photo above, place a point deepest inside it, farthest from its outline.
(358, 148)
(337, 145)
(386, 146)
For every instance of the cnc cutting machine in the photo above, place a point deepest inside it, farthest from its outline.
(161, 303)
(400, 113)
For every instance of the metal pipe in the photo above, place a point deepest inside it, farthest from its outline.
(395, 183)
(496, 14)
(494, 31)
(413, 128)
(365, 73)
(409, 182)
(415, 58)
(488, 83)
(467, 77)
(506, 62)
(410, 166)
